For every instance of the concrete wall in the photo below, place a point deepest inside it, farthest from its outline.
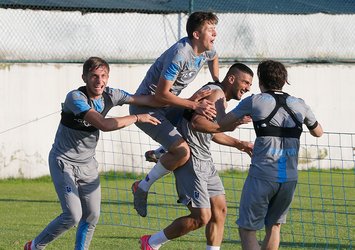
(31, 94)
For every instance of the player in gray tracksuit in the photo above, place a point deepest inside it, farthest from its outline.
(72, 163)
(272, 178)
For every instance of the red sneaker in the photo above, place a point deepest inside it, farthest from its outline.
(144, 241)
(28, 245)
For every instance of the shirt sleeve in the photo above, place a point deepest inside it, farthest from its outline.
(310, 120)
(119, 97)
(173, 67)
(307, 116)
(76, 102)
(210, 54)
(243, 108)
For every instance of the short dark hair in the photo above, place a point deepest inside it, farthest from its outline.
(197, 19)
(240, 66)
(94, 63)
(272, 74)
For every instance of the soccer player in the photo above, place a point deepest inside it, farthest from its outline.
(165, 79)
(198, 185)
(72, 163)
(272, 178)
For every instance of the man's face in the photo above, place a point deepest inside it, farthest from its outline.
(241, 84)
(96, 81)
(206, 36)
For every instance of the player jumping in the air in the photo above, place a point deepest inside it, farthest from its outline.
(166, 78)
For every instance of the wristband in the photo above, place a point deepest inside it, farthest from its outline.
(137, 118)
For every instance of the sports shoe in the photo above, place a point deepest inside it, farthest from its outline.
(139, 199)
(27, 246)
(151, 156)
(144, 241)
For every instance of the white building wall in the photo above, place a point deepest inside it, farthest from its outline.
(31, 96)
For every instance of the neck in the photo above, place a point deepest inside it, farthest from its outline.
(195, 47)
(224, 85)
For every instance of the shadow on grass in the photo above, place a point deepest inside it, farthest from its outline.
(29, 201)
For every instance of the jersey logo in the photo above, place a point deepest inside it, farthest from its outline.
(188, 75)
(83, 122)
(68, 189)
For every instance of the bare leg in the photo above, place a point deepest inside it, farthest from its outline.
(178, 154)
(272, 238)
(180, 226)
(248, 238)
(199, 217)
(215, 227)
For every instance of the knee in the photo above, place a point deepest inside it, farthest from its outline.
(222, 213)
(181, 150)
(184, 151)
(219, 208)
(93, 218)
(71, 219)
(203, 218)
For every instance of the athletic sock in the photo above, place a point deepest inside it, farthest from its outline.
(159, 151)
(157, 240)
(154, 174)
(213, 247)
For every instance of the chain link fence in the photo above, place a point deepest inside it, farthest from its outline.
(139, 31)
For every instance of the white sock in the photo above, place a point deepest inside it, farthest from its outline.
(157, 240)
(213, 247)
(154, 174)
(160, 151)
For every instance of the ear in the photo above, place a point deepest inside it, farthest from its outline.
(196, 35)
(84, 78)
(231, 79)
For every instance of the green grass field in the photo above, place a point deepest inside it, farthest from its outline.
(322, 214)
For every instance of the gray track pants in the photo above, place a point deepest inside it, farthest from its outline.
(78, 189)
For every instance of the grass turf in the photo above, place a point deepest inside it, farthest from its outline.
(322, 214)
